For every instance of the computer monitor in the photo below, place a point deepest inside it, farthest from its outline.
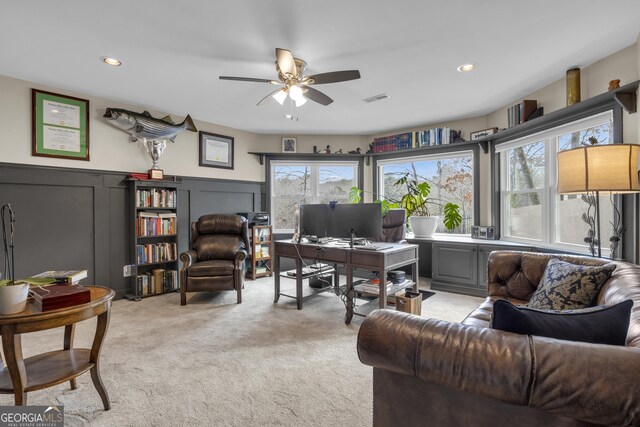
(355, 220)
(313, 220)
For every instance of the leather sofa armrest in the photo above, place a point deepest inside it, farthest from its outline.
(592, 383)
(188, 258)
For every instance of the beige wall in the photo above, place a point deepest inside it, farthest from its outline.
(111, 149)
(623, 65)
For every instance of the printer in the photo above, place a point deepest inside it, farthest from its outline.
(256, 218)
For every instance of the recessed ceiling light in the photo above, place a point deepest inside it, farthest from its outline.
(111, 61)
(466, 67)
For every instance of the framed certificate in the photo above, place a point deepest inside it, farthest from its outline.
(60, 126)
(216, 151)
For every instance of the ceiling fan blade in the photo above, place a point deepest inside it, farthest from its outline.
(334, 77)
(286, 63)
(268, 96)
(248, 79)
(317, 96)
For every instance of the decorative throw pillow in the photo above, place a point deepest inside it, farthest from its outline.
(566, 286)
(597, 325)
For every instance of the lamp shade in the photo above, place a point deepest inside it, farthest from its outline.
(606, 168)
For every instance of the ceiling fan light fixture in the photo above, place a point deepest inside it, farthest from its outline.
(295, 92)
(280, 96)
(300, 101)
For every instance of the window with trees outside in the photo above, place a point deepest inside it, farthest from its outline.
(305, 183)
(450, 176)
(531, 209)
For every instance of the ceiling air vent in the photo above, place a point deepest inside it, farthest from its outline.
(376, 98)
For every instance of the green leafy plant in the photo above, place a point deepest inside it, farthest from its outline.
(415, 201)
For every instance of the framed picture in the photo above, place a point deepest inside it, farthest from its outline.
(483, 232)
(288, 145)
(60, 126)
(216, 151)
(482, 133)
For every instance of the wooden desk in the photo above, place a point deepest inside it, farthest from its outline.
(49, 369)
(379, 261)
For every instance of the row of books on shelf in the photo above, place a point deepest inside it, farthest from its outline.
(523, 111)
(156, 198)
(422, 138)
(156, 252)
(157, 281)
(155, 224)
(259, 270)
(262, 251)
(262, 234)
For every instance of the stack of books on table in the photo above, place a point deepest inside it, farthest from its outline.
(371, 286)
(62, 276)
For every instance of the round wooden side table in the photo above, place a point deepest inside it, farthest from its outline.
(48, 369)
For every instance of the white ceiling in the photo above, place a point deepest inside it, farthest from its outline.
(174, 51)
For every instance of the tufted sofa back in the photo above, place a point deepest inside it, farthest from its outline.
(515, 275)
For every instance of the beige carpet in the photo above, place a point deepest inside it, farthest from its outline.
(216, 363)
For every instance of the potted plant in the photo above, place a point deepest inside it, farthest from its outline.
(418, 205)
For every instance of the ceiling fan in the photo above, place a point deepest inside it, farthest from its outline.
(295, 84)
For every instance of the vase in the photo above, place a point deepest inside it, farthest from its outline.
(13, 299)
(423, 226)
(573, 86)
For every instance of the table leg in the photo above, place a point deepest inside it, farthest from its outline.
(415, 275)
(382, 302)
(336, 276)
(12, 348)
(276, 278)
(69, 333)
(349, 315)
(299, 283)
(101, 332)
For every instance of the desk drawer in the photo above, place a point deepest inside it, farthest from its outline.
(312, 252)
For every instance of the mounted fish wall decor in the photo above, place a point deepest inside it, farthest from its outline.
(152, 131)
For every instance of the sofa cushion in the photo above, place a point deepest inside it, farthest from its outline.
(481, 316)
(217, 267)
(566, 286)
(597, 325)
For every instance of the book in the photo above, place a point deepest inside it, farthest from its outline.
(53, 297)
(62, 276)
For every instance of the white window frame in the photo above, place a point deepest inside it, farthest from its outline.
(550, 223)
(315, 177)
(430, 157)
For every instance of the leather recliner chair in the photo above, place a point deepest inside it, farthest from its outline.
(215, 261)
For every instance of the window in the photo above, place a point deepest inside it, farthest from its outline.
(450, 176)
(532, 211)
(304, 183)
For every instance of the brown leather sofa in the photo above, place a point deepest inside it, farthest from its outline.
(434, 373)
(215, 262)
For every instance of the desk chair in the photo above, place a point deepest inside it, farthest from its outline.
(394, 226)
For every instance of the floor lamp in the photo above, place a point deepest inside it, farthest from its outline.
(609, 169)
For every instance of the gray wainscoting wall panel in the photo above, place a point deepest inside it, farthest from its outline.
(79, 218)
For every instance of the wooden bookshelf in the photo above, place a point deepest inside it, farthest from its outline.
(154, 238)
(261, 241)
